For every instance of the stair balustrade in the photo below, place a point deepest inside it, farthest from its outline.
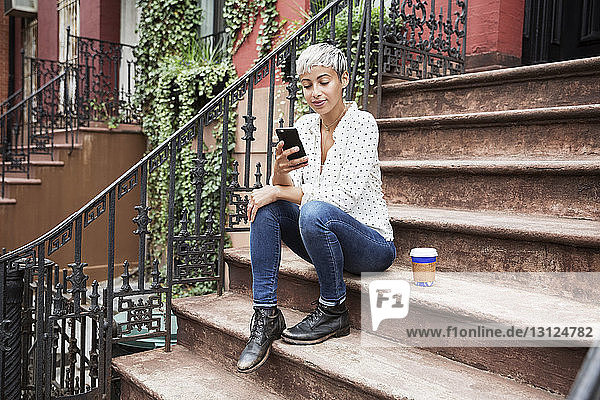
(68, 330)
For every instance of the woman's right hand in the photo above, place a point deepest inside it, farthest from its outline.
(282, 164)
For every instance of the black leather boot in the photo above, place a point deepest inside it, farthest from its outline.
(266, 325)
(321, 324)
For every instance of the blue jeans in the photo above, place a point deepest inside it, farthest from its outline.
(321, 234)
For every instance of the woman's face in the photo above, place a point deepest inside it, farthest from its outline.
(322, 88)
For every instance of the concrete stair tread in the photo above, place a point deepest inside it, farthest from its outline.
(493, 165)
(183, 374)
(22, 181)
(458, 294)
(520, 116)
(503, 76)
(406, 373)
(580, 232)
(43, 163)
(61, 146)
(5, 200)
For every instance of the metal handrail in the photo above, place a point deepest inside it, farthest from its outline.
(19, 107)
(196, 256)
(9, 99)
(160, 148)
(36, 93)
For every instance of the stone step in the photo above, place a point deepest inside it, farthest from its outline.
(217, 327)
(41, 163)
(57, 147)
(6, 200)
(557, 132)
(508, 241)
(21, 181)
(573, 82)
(182, 374)
(566, 188)
(34, 162)
(14, 179)
(455, 298)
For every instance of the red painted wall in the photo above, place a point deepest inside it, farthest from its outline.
(47, 29)
(100, 19)
(17, 50)
(510, 37)
(4, 47)
(247, 53)
(495, 26)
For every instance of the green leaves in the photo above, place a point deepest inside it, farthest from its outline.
(176, 76)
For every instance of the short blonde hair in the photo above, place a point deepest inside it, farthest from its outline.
(322, 54)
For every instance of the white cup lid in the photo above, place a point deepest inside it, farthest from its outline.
(423, 252)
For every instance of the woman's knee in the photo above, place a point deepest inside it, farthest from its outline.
(272, 210)
(314, 215)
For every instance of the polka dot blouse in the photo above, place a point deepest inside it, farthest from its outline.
(351, 177)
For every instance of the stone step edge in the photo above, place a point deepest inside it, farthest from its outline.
(22, 181)
(495, 167)
(414, 360)
(179, 357)
(41, 163)
(539, 72)
(450, 294)
(57, 146)
(122, 372)
(545, 115)
(503, 225)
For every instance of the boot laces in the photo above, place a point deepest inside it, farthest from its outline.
(315, 314)
(257, 326)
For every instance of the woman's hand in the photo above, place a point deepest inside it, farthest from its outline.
(282, 164)
(261, 197)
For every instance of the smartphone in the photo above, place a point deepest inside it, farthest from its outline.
(290, 138)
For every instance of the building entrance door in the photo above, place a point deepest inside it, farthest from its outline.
(556, 30)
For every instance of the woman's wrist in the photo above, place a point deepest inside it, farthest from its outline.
(277, 192)
(280, 178)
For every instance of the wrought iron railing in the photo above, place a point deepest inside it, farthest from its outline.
(10, 101)
(97, 84)
(56, 334)
(105, 81)
(29, 127)
(419, 44)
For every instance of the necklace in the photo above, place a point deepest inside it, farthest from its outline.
(328, 127)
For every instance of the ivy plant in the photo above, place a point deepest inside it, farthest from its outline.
(241, 17)
(177, 75)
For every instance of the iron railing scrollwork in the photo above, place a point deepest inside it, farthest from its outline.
(418, 43)
(105, 82)
(10, 101)
(96, 84)
(29, 127)
(69, 326)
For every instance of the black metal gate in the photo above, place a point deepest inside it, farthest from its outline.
(57, 330)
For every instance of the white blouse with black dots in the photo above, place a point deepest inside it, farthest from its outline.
(351, 176)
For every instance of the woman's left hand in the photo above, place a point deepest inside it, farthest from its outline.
(261, 197)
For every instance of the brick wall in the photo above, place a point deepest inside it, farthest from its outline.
(3, 57)
(494, 33)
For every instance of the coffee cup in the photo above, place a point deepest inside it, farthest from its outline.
(423, 265)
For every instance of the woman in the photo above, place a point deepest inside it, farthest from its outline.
(327, 207)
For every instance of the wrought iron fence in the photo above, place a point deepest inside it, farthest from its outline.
(10, 101)
(416, 43)
(97, 84)
(29, 127)
(57, 331)
(105, 81)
